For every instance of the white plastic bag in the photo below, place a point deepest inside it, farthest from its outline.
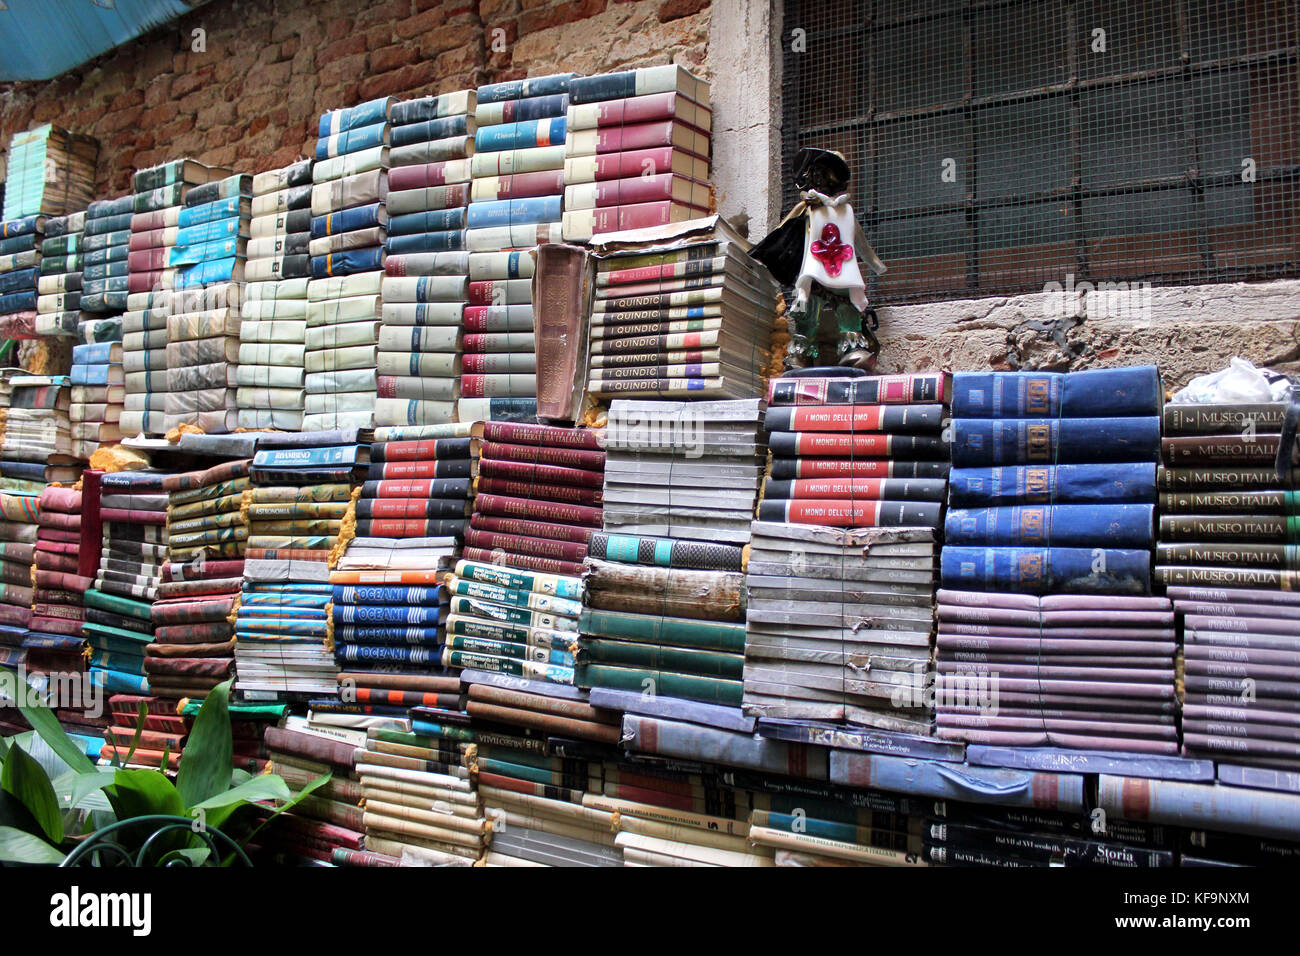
(1239, 383)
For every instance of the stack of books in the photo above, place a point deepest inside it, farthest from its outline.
(348, 230)
(58, 302)
(1226, 517)
(1082, 671)
(144, 362)
(529, 511)
(20, 261)
(207, 536)
(161, 733)
(36, 426)
(331, 818)
(516, 199)
(104, 277)
(637, 149)
(1239, 674)
(690, 317)
(282, 626)
(49, 171)
(1017, 521)
(54, 642)
(133, 513)
(424, 292)
(18, 536)
(99, 386)
(97, 368)
(389, 620)
(273, 333)
(160, 194)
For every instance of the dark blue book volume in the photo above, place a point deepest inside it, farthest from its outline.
(110, 207)
(1047, 570)
(109, 222)
(429, 130)
(346, 220)
(541, 107)
(18, 244)
(505, 212)
(1045, 441)
(1061, 526)
(446, 241)
(1052, 484)
(19, 227)
(210, 270)
(430, 220)
(363, 114)
(1097, 393)
(521, 135)
(213, 231)
(607, 86)
(352, 140)
(17, 302)
(348, 262)
(114, 253)
(119, 237)
(518, 89)
(19, 280)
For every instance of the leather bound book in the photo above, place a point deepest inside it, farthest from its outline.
(562, 289)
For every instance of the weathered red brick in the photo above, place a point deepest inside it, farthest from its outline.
(532, 21)
(420, 24)
(391, 57)
(346, 46)
(408, 79)
(676, 9)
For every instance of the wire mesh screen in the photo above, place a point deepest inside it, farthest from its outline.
(1001, 145)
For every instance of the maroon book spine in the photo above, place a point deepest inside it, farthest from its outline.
(528, 562)
(547, 474)
(546, 455)
(531, 489)
(542, 547)
(523, 433)
(561, 512)
(531, 529)
(334, 752)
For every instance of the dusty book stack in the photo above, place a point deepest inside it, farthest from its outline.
(516, 200)
(331, 818)
(297, 482)
(48, 171)
(691, 317)
(637, 151)
(273, 332)
(54, 642)
(1227, 518)
(20, 260)
(424, 289)
(665, 585)
(348, 229)
(19, 514)
(144, 363)
(58, 286)
(132, 509)
(161, 733)
(207, 534)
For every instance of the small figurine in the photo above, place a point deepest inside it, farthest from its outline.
(816, 249)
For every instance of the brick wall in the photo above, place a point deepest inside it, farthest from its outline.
(250, 99)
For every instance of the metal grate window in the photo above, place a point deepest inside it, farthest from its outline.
(1000, 145)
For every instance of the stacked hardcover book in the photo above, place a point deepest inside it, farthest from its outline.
(36, 431)
(203, 329)
(348, 229)
(1081, 671)
(516, 199)
(97, 369)
(104, 276)
(690, 317)
(161, 192)
(133, 514)
(20, 261)
(207, 533)
(427, 266)
(55, 643)
(273, 332)
(664, 578)
(282, 626)
(330, 819)
(1240, 679)
(144, 362)
(58, 302)
(160, 731)
(19, 530)
(98, 381)
(1227, 519)
(637, 151)
(1019, 518)
(48, 171)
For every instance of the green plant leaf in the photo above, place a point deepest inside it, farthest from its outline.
(19, 847)
(14, 814)
(136, 793)
(265, 787)
(23, 778)
(238, 776)
(79, 787)
(289, 804)
(209, 751)
(46, 724)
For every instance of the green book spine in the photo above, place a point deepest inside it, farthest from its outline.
(119, 605)
(710, 690)
(685, 661)
(679, 632)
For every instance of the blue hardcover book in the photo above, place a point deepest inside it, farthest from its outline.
(508, 212)
(62, 245)
(674, 708)
(820, 734)
(118, 284)
(214, 270)
(306, 457)
(20, 227)
(55, 642)
(1096, 393)
(427, 108)
(934, 778)
(118, 682)
(91, 374)
(449, 241)
(1116, 482)
(138, 482)
(275, 626)
(381, 594)
(1061, 526)
(540, 107)
(1045, 441)
(101, 208)
(348, 262)
(118, 222)
(363, 114)
(1091, 761)
(302, 605)
(346, 220)
(501, 410)
(127, 664)
(352, 140)
(381, 654)
(192, 255)
(429, 220)
(1201, 805)
(431, 129)
(60, 265)
(523, 684)
(121, 237)
(672, 738)
(522, 135)
(360, 614)
(106, 270)
(18, 244)
(518, 89)
(209, 212)
(94, 257)
(1259, 778)
(1047, 570)
(93, 353)
(417, 636)
(19, 280)
(214, 231)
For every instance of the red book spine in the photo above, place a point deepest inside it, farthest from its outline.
(636, 189)
(637, 109)
(530, 529)
(151, 239)
(144, 281)
(548, 182)
(531, 489)
(59, 521)
(63, 581)
(475, 318)
(58, 562)
(133, 516)
(66, 500)
(210, 632)
(647, 214)
(419, 488)
(549, 474)
(624, 165)
(209, 569)
(425, 449)
(144, 260)
(816, 444)
(541, 547)
(320, 749)
(418, 177)
(559, 511)
(473, 385)
(871, 489)
(403, 470)
(479, 292)
(523, 433)
(528, 562)
(380, 508)
(570, 457)
(144, 221)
